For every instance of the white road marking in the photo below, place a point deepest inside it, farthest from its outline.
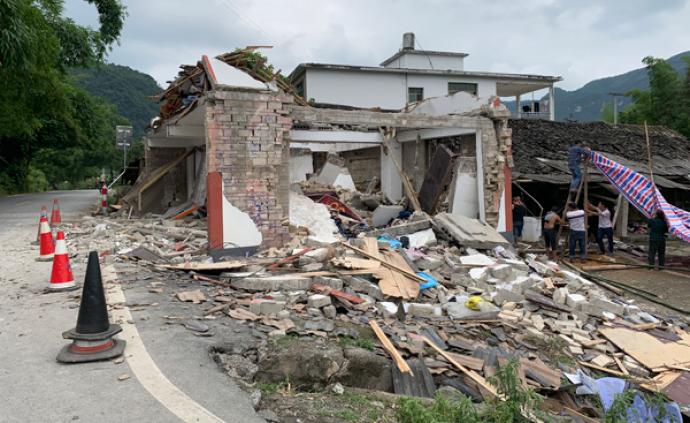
(143, 366)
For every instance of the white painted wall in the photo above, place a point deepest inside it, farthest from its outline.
(421, 61)
(385, 90)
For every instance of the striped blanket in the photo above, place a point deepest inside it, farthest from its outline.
(643, 194)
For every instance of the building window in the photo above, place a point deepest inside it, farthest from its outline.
(415, 94)
(454, 87)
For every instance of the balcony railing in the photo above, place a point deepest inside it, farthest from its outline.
(531, 115)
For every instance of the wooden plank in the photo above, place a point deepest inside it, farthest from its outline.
(648, 350)
(544, 375)
(621, 366)
(613, 372)
(470, 373)
(390, 348)
(391, 266)
(355, 263)
(468, 361)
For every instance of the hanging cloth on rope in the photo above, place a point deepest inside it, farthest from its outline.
(643, 194)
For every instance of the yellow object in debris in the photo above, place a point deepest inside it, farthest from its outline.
(474, 303)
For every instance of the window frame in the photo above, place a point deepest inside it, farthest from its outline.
(420, 94)
(474, 84)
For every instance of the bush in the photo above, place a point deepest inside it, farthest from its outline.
(36, 180)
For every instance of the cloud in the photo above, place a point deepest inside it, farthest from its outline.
(580, 41)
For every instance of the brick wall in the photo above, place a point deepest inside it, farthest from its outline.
(247, 141)
(364, 165)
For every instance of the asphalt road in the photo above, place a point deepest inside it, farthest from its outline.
(35, 388)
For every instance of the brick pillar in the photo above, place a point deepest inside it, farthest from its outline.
(247, 142)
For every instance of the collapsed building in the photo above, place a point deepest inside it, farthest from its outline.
(237, 135)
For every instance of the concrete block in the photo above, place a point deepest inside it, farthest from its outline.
(359, 284)
(424, 310)
(273, 283)
(517, 265)
(537, 322)
(429, 262)
(311, 267)
(503, 296)
(503, 272)
(597, 305)
(535, 333)
(575, 300)
(330, 312)
(334, 283)
(318, 301)
(387, 308)
(383, 214)
(560, 295)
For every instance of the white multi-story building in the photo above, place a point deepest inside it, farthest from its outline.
(412, 75)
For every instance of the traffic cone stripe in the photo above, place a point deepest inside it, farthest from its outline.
(61, 277)
(86, 347)
(46, 239)
(55, 216)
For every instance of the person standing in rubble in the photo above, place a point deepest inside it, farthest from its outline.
(576, 154)
(519, 212)
(657, 239)
(604, 228)
(550, 233)
(576, 221)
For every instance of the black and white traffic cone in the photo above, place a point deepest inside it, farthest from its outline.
(93, 337)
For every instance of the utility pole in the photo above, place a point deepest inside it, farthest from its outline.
(615, 106)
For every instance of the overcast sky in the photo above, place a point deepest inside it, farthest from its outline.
(579, 40)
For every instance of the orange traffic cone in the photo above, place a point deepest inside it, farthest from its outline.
(46, 242)
(61, 278)
(55, 216)
(44, 213)
(93, 337)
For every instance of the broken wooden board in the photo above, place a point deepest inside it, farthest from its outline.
(394, 278)
(327, 290)
(390, 348)
(468, 361)
(541, 373)
(648, 350)
(355, 263)
(395, 284)
(420, 385)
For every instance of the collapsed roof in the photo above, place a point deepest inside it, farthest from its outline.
(540, 149)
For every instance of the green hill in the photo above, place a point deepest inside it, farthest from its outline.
(585, 104)
(127, 89)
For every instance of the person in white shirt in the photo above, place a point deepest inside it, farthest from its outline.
(605, 228)
(576, 221)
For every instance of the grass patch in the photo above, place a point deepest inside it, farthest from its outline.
(287, 340)
(554, 348)
(347, 341)
(519, 402)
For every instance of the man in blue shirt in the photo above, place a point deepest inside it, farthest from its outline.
(575, 155)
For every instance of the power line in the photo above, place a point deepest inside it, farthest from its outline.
(247, 20)
(422, 48)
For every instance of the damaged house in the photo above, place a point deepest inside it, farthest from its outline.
(541, 172)
(233, 135)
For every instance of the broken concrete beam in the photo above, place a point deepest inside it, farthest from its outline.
(318, 301)
(384, 214)
(404, 229)
(469, 232)
(273, 283)
(597, 306)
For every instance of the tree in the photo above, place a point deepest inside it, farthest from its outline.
(40, 110)
(667, 102)
(607, 112)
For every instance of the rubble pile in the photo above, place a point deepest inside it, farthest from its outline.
(444, 297)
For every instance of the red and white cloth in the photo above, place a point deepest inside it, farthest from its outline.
(643, 194)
